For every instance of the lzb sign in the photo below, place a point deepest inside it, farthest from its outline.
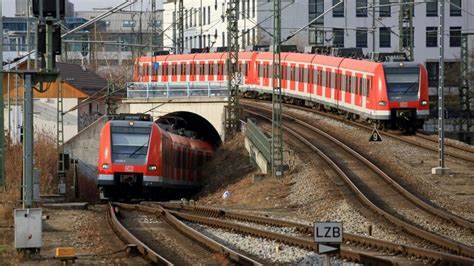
(328, 236)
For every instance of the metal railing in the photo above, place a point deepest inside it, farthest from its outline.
(145, 90)
(259, 139)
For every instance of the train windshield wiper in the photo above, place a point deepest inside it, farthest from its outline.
(409, 88)
(139, 148)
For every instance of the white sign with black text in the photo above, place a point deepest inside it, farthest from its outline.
(328, 236)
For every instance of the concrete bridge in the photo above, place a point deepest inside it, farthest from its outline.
(201, 107)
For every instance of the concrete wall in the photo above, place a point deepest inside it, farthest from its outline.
(212, 109)
(85, 147)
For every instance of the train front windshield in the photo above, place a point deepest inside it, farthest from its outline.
(130, 144)
(402, 83)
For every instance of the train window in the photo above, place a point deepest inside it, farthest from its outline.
(301, 74)
(268, 70)
(260, 70)
(201, 70)
(309, 76)
(183, 69)
(351, 88)
(247, 67)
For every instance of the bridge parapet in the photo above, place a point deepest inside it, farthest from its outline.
(146, 90)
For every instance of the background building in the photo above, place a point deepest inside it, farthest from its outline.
(205, 23)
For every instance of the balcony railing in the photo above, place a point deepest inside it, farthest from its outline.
(146, 90)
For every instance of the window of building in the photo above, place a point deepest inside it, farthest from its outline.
(431, 36)
(128, 23)
(203, 18)
(208, 15)
(223, 39)
(455, 36)
(253, 8)
(338, 37)
(361, 8)
(407, 32)
(338, 12)
(455, 8)
(361, 38)
(243, 9)
(385, 8)
(385, 37)
(186, 19)
(432, 8)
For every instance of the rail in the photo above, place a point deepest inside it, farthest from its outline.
(146, 90)
(128, 237)
(434, 238)
(348, 238)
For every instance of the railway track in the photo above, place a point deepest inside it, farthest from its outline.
(153, 251)
(395, 253)
(378, 190)
(419, 140)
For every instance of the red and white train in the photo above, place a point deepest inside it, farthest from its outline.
(137, 157)
(390, 94)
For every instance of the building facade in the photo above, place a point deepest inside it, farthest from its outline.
(205, 23)
(353, 24)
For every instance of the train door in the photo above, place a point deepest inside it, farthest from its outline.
(301, 76)
(212, 70)
(327, 91)
(348, 88)
(202, 72)
(174, 71)
(183, 71)
(310, 80)
(292, 77)
(284, 76)
(164, 72)
(220, 71)
(192, 71)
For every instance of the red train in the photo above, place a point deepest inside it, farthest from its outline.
(137, 157)
(392, 95)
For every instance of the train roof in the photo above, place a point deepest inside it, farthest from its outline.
(332, 61)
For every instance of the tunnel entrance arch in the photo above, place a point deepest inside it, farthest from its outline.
(191, 125)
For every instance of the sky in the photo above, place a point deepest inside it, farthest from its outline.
(79, 5)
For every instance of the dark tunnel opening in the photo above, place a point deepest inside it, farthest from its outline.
(190, 125)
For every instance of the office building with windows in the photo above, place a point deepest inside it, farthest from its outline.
(205, 22)
(373, 25)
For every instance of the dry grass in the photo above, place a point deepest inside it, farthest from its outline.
(230, 164)
(45, 160)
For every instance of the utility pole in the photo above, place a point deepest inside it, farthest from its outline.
(152, 36)
(405, 20)
(60, 130)
(175, 28)
(465, 90)
(233, 73)
(180, 27)
(2, 130)
(277, 132)
(441, 169)
(373, 26)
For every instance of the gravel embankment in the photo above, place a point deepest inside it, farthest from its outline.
(263, 248)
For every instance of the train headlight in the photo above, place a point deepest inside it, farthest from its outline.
(105, 166)
(383, 103)
(151, 167)
(423, 103)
